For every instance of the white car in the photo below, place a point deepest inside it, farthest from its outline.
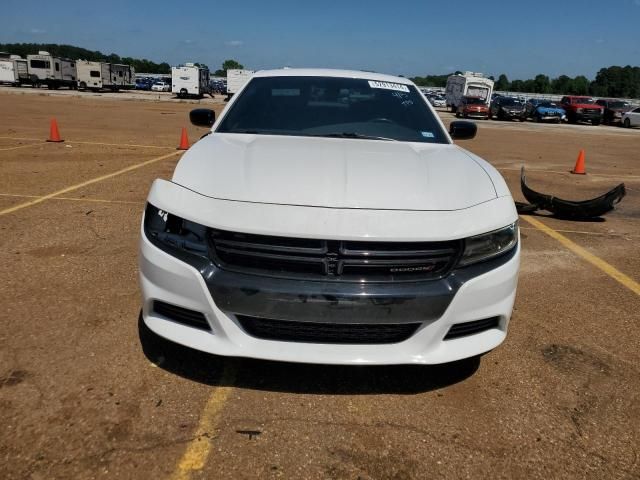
(631, 118)
(329, 218)
(160, 87)
(438, 101)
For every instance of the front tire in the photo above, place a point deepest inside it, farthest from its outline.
(595, 123)
(627, 123)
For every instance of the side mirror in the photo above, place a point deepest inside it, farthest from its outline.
(202, 117)
(462, 130)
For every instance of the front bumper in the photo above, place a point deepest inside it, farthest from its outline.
(474, 293)
(490, 294)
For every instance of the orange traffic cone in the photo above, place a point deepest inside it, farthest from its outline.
(184, 141)
(54, 134)
(579, 168)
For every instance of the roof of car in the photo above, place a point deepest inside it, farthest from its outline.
(326, 72)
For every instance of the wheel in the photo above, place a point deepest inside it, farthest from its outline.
(83, 86)
(557, 120)
(595, 123)
(183, 93)
(627, 123)
(457, 114)
(537, 119)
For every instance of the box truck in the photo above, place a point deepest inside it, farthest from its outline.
(467, 84)
(54, 72)
(98, 75)
(236, 80)
(190, 79)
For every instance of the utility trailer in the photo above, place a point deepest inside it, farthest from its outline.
(467, 84)
(54, 72)
(101, 75)
(190, 79)
(13, 70)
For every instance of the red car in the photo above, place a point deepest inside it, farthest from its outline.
(582, 109)
(473, 107)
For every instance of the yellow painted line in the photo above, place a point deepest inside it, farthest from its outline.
(72, 199)
(20, 146)
(133, 145)
(101, 178)
(594, 260)
(582, 232)
(621, 176)
(198, 450)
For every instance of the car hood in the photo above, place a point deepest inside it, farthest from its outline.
(550, 109)
(334, 173)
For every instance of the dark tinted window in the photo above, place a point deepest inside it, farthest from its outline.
(40, 64)
(94, 73)
(328, 106)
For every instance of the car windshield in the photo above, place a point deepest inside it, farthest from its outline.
(474, 100)
(333, 107)
(618, 105)
(511, 102)
(584, 100)
(548, 105)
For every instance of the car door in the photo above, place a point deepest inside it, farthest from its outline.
(634, 117)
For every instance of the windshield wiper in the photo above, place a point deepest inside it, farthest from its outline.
(351, 135)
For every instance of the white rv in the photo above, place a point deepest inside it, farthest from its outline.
(190, 79)
(54, 72)
(236, 80)
(98, 75)
(13, 70)
(468, 84)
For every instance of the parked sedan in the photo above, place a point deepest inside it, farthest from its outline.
(545, 111)
(437, 100)
(613, 110)
(507, 108)
(161, 87)
(631, 118)
(474, 107)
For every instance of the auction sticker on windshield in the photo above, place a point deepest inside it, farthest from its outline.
(389, 86)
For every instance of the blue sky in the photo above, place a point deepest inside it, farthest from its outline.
(407, 37)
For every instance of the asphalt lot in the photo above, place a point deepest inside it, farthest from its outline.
(86, 393)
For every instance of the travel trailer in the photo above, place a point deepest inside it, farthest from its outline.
(468, 84)
(190, 79)
(102, 75)
(54, 72)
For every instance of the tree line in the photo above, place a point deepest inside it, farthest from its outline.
(614, 81)
(78, 53)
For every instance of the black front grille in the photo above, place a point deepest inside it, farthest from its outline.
(591, 110)
(471, 328)
(334, 333)
(182, 315)
(333, 259)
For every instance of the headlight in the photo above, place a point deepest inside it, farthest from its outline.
(578, 110)
(489, 245)
(174, 234)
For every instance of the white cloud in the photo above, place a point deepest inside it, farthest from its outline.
(37, 31)
(237, 43)
(188, 42)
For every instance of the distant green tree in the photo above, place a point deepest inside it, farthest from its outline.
(228, 65)
(541, 84)
(502, 84)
